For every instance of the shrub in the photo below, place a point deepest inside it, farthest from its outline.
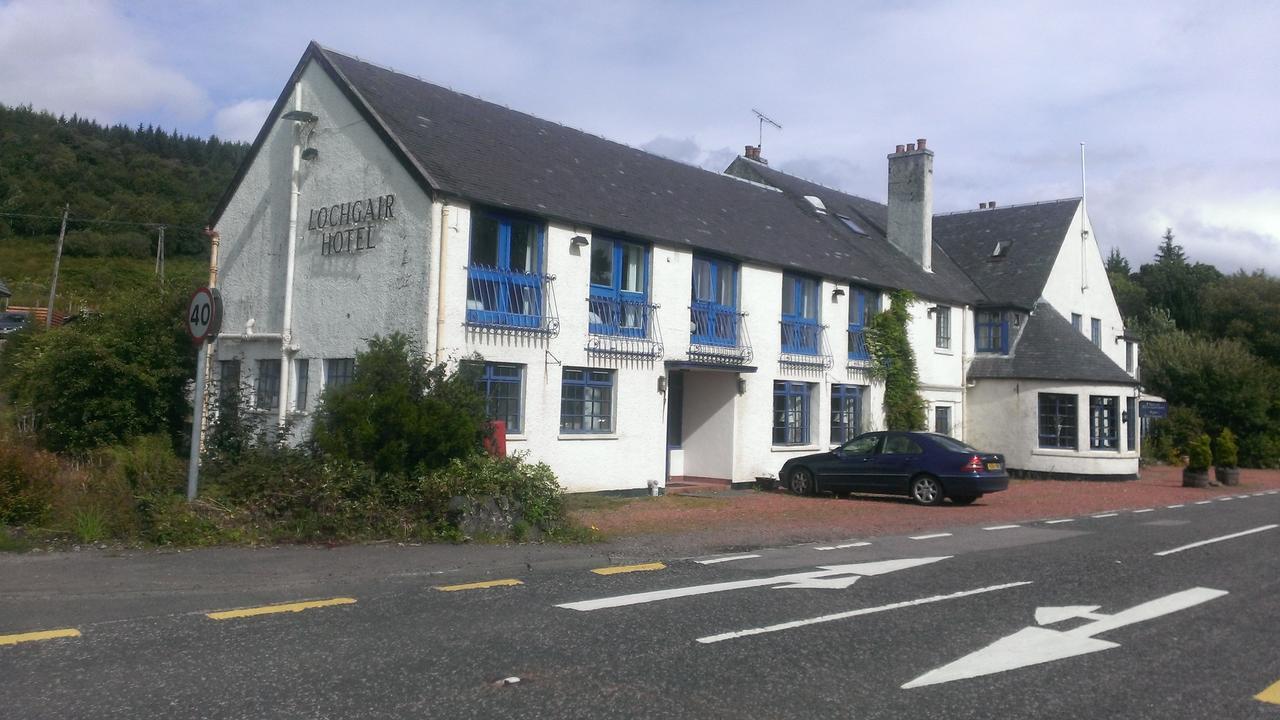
(1225, 450)
(400, 412)
(534, 493)
(1200, 457)
(26, 483)
(895, 363)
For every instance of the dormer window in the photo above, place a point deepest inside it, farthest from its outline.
(992, 329)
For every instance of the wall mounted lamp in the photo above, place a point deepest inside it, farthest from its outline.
(742, 385)
(838, 292)
(579, 241)
(934, 310)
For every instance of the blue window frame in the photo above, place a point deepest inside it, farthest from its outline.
(791, 412)
(800, 328)
(846, 413)
(1103, 422)
(505, 281)
(1057, 421)
(502, 387)
(619, 287)
(1095, 331)
(714, 305)
(586, 401)
(864, 304)
(992, 329)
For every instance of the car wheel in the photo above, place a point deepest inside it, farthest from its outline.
(926, 490)
(801, 481)
(964, 499)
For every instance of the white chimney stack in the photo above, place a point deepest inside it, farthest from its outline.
(911, 202)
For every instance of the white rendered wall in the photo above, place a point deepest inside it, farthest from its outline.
(709, 399)
(1004, 418)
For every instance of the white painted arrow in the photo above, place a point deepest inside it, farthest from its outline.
(829, 577)
(1035, 645)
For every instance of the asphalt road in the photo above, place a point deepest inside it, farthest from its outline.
(1120, 631)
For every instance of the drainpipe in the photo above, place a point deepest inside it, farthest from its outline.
(964, 374)
(286, 340)
(442, 241)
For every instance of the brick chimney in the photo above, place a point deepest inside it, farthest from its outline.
(911, 202)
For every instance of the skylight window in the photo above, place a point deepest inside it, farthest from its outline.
(816, 202)
(1001, 249)
(852, 225)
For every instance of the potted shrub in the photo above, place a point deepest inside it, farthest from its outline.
(1226, 457)
(1199, 458)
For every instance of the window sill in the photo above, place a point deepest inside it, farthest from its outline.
(588, 436)
(943, 351)
(517, 438)
(794, 448)
(1090, 453)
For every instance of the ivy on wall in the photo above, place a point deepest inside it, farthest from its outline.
(894, 362)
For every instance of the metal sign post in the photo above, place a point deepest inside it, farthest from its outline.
(204, 318)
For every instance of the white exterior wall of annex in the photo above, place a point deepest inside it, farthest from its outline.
(340, 300)
(1004, 417)
(942, 370)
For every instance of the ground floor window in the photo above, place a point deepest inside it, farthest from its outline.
(1102, 422)
(301, 381)
(228, 379)
(942, 419)
(791, 413)
(586, 401)
(338, 371)
(1057, 420)
(846, 413)
(267, 394)
(502, 387)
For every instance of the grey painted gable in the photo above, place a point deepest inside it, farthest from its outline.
(1050, 348)
(882, 264)
(496, 156)
(1036, 233)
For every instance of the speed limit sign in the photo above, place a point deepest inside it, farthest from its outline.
(204, 315)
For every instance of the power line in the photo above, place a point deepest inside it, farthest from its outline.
(102, 221)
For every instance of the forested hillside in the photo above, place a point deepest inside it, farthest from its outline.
(120, 183)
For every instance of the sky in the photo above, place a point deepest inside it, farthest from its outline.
(1176, 102)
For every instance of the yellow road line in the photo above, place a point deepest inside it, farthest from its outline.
(41, 635)
(281, 608)
(615, 569)
(1270, 695)
(479, 585)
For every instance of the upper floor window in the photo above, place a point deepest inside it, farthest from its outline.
(1077, 322)
(992, 329)
(864, 304)
(505, 281)
(714, 302)
(338, 371)
(1128, 356)
(267, 395)
(799, 314)
(942, 327)
(1095, 331)
(619, 287)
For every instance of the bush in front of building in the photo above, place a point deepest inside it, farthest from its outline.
(400, 412)
(895, 363)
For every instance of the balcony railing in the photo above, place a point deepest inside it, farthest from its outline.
(623, 327)
(510, 301)
(858, 352)
(804, 342)
(718, 333)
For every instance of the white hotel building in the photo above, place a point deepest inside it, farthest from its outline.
(642, 320)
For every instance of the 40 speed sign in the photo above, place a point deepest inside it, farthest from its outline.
(204, 315)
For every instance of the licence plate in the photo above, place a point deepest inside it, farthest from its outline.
(993, 466)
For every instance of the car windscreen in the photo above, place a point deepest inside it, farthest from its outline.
(953, 444)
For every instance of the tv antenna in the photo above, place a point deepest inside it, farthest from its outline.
(763, 119)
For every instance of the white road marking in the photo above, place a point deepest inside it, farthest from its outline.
(1135, 512)
(854, 613)
(1259, 494)
(1002, 527)
(1055, 522)
(1224, 498)
(826, 577)
(731, 558)
(930, 537)
(1035, 645)
(1217, 539)
(1204, 502)
(843, 546)
(1243, 497)
(1175, 506)
(1104, 515)
(1273, 492)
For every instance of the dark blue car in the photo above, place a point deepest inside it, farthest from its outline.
(925, 466)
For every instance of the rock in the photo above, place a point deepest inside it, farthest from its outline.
(484, 516)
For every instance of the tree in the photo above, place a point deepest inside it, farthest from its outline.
(1174, 284)
(1246, 307)
(400, 412)
(1116, 263)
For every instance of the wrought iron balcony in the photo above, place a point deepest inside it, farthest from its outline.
(509, 301)
(804, 342)
(623, 327)
(718, 333)
(858, 352)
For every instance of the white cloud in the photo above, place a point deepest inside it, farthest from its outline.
(83, 57)
(241, 120)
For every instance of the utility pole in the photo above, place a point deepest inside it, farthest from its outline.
(160, 253)
(57, 260)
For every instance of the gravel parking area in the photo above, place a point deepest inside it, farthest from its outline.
(724, 520)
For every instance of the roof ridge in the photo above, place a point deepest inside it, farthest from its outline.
(1075, 198)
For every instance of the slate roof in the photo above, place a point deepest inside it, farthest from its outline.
(882, 263)
(1035, 232)
(1051, 349)
(461, 146)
